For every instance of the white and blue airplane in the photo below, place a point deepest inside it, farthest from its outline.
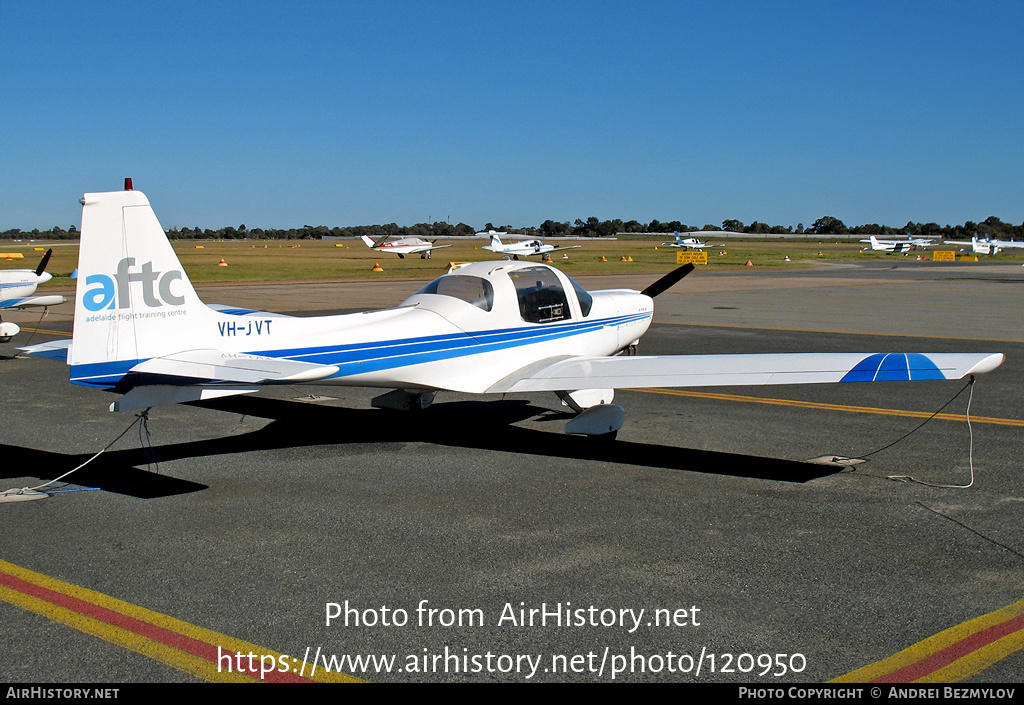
(987, 246)
(523, 248)
(1004, 244)
(497, 327)
(690, 243)
(17, 289)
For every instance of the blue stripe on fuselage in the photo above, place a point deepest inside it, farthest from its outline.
(359, 358)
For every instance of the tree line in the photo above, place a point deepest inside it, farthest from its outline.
(591, 227)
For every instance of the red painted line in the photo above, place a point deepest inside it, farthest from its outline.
(953, 652)
(149, 631)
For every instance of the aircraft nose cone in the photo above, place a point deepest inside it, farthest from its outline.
(44, 277)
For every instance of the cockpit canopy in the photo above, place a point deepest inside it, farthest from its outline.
(541, 296)
(473, 290)
(540, 290)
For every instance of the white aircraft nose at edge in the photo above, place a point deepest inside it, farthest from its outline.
(486, 327)
(17, 290)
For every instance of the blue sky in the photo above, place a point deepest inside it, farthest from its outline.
(282, 114)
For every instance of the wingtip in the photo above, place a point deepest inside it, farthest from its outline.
(987, 364)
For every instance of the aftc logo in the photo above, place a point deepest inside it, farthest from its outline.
(113, 292)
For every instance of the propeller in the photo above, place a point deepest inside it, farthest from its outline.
(667, 281)
(42, 265)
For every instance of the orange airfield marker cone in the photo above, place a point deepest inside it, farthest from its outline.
(377, 267)
(749, 264)
(603, 258)
(222, 263)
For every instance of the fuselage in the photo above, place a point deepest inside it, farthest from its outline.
(465, 331)
(686, 243)
(19, 283)
(526, 248)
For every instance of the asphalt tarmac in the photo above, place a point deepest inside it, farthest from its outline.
(252, 515)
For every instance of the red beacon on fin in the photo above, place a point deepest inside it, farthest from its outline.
(128, 184)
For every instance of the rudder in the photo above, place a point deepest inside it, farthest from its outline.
(133, 299)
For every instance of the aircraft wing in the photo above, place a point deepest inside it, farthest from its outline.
(51, 300)
(736, 370)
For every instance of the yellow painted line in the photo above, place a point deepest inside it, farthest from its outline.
(48, 332)
(832, 407)
(951, 655)
(200, 652)
(839, 332)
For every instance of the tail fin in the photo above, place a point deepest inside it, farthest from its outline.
(369, 241)
(134, 300)
(496, 245)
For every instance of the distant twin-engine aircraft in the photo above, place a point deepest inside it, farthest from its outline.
(403, 246)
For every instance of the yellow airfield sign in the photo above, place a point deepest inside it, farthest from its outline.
(691, 257)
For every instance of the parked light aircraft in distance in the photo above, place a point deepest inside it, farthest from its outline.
(17, 287)
(986, 246)
(1006, 244)
(524, 248)
(897, 245)
(690, 243)
(495, 327)
(403, 246)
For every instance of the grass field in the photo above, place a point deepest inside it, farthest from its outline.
(341, 260)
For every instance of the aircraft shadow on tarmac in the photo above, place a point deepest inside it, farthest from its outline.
(114, 471)
(486, 425)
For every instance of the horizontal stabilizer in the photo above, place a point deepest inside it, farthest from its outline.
(737, 370)
(54, 350)
(218, 366)
(25, 301)
(163, 395)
